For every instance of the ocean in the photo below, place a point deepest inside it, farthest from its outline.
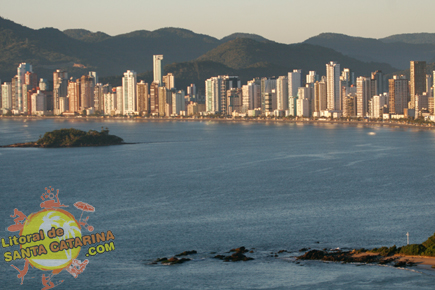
(214, 186)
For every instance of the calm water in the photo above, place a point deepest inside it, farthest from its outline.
(211, 187)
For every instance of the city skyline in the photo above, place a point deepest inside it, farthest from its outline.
(337, 16)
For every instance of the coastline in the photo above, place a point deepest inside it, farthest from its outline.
(364, 123)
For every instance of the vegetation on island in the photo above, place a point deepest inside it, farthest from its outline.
(73, 138)
(427, 248)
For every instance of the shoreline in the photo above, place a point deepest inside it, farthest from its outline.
(401, 261)
(231, 120)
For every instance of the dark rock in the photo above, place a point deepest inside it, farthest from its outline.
(312, 255)
(400, 264)
(185, 253)
(221, 257)
(282, 251)
(303, 250)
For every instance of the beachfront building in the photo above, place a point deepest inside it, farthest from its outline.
(398, 94)
(129, 82)
(333, 86)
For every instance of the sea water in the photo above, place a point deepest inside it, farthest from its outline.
(213, 186)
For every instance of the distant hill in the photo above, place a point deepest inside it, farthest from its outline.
(397, 54)
(48, 49)
(86, 35)
(243, 53)
(243, 35)
(414, 38)
(248, 58)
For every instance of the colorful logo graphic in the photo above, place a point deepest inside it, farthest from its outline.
(51, 239)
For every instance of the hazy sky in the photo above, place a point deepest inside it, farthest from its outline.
(279, 20)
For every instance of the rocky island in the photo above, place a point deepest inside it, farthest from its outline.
(73, 138)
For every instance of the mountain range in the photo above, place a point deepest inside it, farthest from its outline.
(193, 57)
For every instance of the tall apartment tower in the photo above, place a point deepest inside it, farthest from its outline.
(94, 75)
(60, 89)
(22, 69)
(154, 97)
(320, 95)
(74, 96)
(142, 98)
(378, 76)
(216, 92)
(157, 68)
(398, 94)
(6, 92)
(363, 95)
(294, 83)
(312, 77)
(86, 92)
(417, 81)
(282, 93)
(169, 81)
(129, 83)
(333, 85)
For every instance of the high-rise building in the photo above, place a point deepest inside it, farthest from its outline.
(379, 103)
(14, 83)
(157, 68)
(129, 83)
(86, 92)
(73, 96)
(398, 94)
(99, 91)
(22, 69)
(169, 81)
(417, 80)
(363, 95)
(320, 95)
(163, 95)
(294, 82)
(154, 97)
(333, 85)
(312, 77)
(94, 76)
(142, 98)
(216, 92)
(429, 84)
(347, 77)
(6, 93)
(380, 87)
(251, 95)
(281, 93)
(39, 103)
(43, 85)
(178, 102)
(60, 89)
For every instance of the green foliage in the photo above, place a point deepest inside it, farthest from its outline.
(385, 251)
(413, 249)
(430, 242)
(429, 251)
(77, 138)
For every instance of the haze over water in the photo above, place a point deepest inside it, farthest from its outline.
(210, 187)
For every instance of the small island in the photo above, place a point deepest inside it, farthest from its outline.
(73, 138)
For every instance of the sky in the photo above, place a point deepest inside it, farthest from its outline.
(285, 21)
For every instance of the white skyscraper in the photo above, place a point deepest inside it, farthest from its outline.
(157, 68)
(294, 82)
(333, 86)
(282, 93)
(6, 91)
(129, 82)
